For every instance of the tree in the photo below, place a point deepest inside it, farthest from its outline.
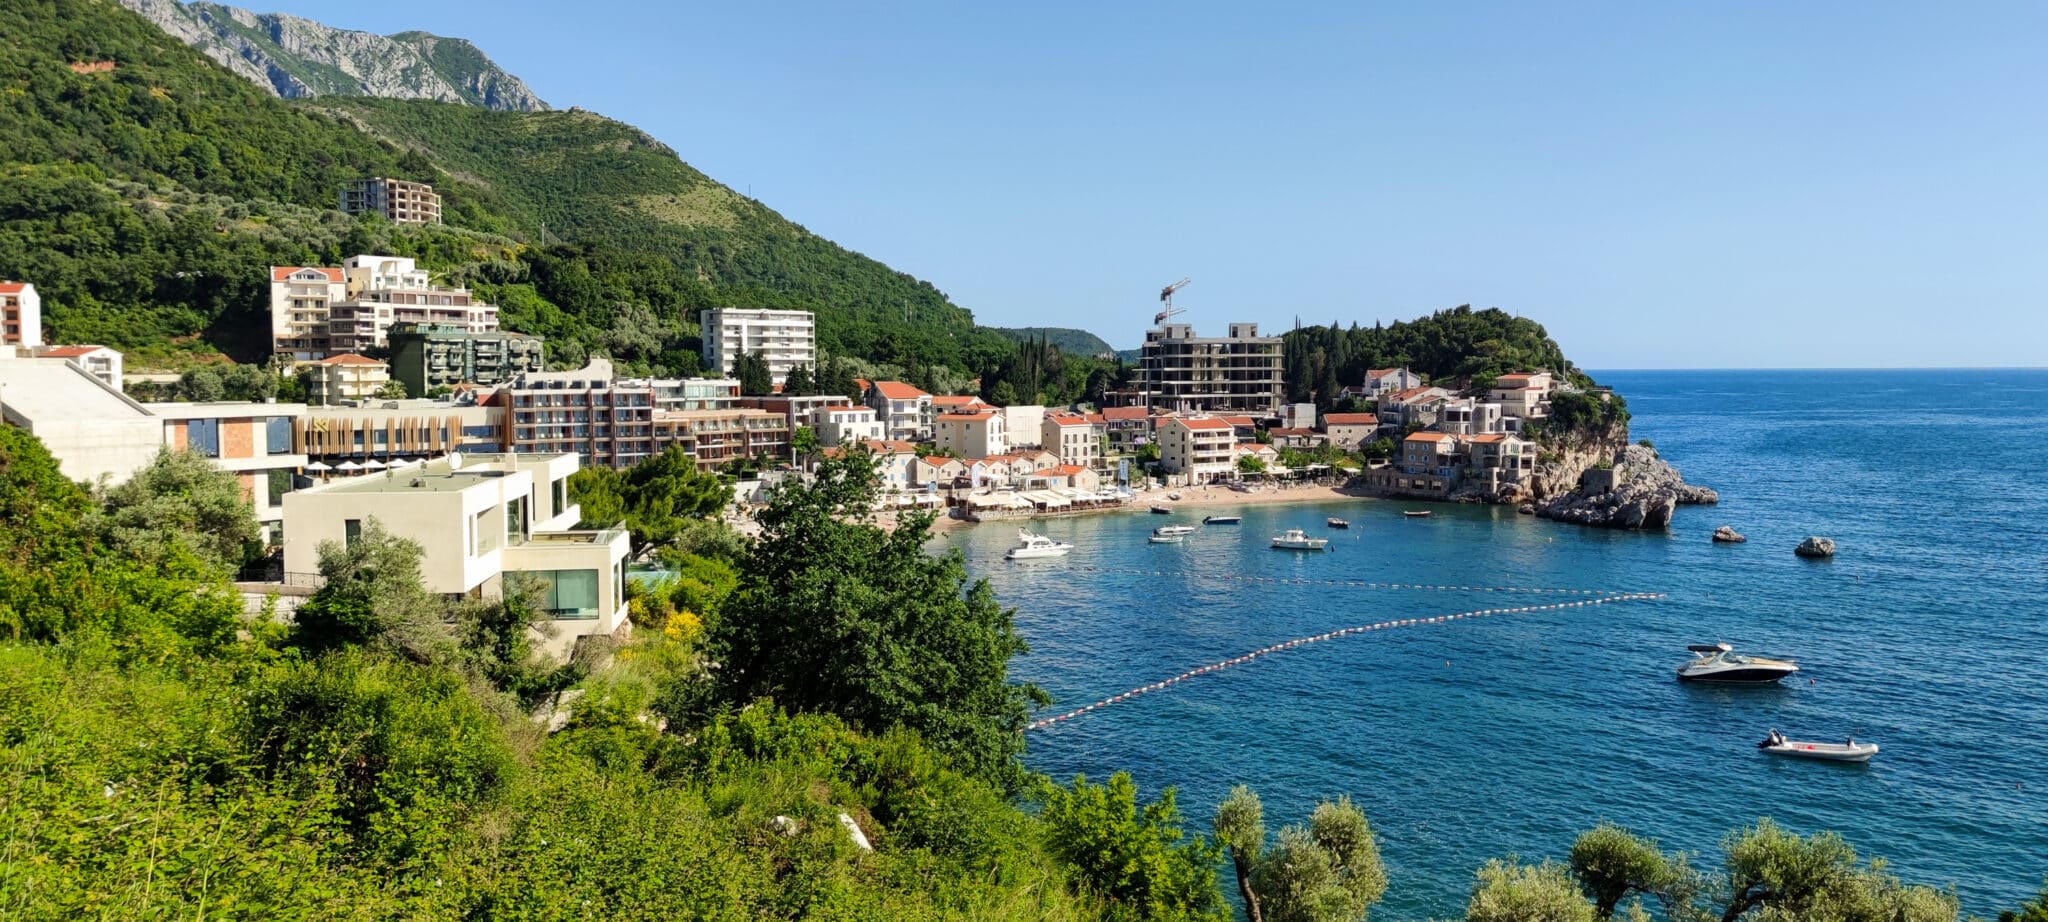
(1134, 859)
(1327, 871)
(799, 382)
(803, 443)
(1250, 464)
(1379, 449)
(653, 499)
(1775, 873)
(373, 597)
(1003, 394)
(837, 615)
(202, 384)
(751, 368)
(1612, 863)
(180, 500)
(393, 389)
(1509, 891)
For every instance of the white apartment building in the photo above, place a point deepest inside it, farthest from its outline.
(845, 424)
(21, 315)
(977, 434)
(319, 311)
(674, 394)
(906, 412)
(785, 338)
(1388, 380)
(1024, 422)
(1075, 437)
(99, 361)
(1197, 449)
(478, 518)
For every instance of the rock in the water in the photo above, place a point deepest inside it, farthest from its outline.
(1637, 490)
(1727, 534)
(1526, 508)
(1816, 547)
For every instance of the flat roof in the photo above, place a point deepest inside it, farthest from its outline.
(419, 478)
(52, 390)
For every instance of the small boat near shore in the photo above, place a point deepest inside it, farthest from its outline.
(1294, 539)
(1847, 751)
(1221, 519)
(1173, 531)
(1166, 539)
(1036, 547)
(1335, 522)
(1416, 513)
(1162, 510)
(1718, 662)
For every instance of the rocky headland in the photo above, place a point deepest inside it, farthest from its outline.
(1633, 488)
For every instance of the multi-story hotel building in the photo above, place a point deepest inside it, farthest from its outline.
(318, 311)
(604, 423)
(396, 199)
(1197, 449)
(1184, 373)
(785, 338)
(425, 356)
(906, 412)
(21, 315)
(716, 437)
(345, 377)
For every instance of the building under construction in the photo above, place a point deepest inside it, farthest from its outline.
(1184, 373)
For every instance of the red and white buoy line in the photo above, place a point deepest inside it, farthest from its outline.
(1285, 645)
(1344, 583)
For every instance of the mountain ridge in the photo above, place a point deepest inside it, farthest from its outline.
(298, 58)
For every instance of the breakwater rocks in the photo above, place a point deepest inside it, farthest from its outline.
(1727, 534)
(1636, 489)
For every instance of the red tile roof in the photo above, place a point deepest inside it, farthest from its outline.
(1066, 419)
(1240, 420)
(348, 358)
(1407, 394)
(1351, 419)
(281, 273)
(1125, 413)
(64, 352)
(1291, 432)
(1430, 437)
(1202, 423)
(1488, 438)
(968, 417)
(12, 288)
(1064, 470)
(890, 446)
(1380, 372)
(957, 400)
(940, 460)
(897, 390)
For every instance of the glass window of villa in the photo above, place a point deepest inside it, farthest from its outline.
(203, 436)
(351, 530)
(569, 594)
(561, 490)
(488, 531)
(278, 435)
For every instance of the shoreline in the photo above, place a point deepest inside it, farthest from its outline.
(1195, 498)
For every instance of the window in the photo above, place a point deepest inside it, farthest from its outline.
(515, 517)
(278, 435)
(203, 436)
(351, 531)
(561, 491)
(569, 594)
(488, 528)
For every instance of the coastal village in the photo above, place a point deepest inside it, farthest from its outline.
(421, 411)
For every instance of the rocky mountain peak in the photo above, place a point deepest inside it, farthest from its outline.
(297, 58)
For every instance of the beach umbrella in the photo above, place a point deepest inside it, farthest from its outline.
(348, 467)
(374, 465)
(319, 467)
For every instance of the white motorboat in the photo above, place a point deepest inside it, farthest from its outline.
(1294, 539)
(1720, 663)
(1162, 510)
(1166, 539)
(1847, 751)
(1221, 520)
(1174, 530)
(1034, 547)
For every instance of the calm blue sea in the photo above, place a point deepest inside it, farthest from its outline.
(1508, 735)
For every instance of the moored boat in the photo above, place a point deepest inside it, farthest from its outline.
(1335, 522)
(1416, 513)
(1719, 662)
(1294, 539)
(1162, 510)
(1166, 539)
(1221, 519)
(1846, 751)
(1174, 530)
(1033, 547)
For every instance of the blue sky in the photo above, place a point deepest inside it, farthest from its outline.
(1661, 185)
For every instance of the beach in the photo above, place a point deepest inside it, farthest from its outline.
(1193, 498)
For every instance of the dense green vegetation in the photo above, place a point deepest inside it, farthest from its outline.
(1037, 371)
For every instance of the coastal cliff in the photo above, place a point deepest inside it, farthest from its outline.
(1634, 489)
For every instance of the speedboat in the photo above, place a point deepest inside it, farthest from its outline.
(1034, 547)
(1335, 522)
(1166, 539)
(1720, 663)
(1847, 751)
(1221, 520)
(1173, 531)
(1294, 539)
(1162, 510)
(1416, 513)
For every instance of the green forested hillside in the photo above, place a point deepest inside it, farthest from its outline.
(1459, 343)
(145, 189)
(1065, 339)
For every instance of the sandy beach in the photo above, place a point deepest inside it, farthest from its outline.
(1200, 497)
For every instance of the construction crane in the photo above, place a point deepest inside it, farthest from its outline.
(1166, 301)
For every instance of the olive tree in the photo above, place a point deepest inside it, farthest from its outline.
(1326, 871)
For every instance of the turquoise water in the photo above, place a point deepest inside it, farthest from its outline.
(1509, 734)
